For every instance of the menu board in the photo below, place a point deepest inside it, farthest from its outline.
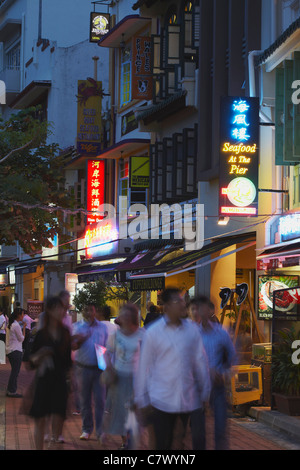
(267, 285)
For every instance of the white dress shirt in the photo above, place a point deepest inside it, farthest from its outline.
(173, 374)
(3, 325)
(16, 338)
(27, 320)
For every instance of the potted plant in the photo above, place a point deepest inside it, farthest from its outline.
(92, 292)
(286, 373)
(100, 292)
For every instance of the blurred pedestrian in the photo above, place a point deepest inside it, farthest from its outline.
(213, 317)
(51, 357)
(3, 324)
(152, 315)
(123, 349)
(65, 297)
(104, 315)
(173, 376)
(27, 320)
(221, 356)
(14, 350)
(86, 335)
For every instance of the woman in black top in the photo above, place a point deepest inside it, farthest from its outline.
(51, 357)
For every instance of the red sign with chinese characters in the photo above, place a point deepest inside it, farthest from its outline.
(95, 189)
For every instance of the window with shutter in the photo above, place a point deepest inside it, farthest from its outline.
(296, 110)
(125, 94)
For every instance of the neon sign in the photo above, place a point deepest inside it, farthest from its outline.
(100, 240)
(289, 227)
(239, 134)
(95, 189)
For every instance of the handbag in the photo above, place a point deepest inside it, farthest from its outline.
(109, 375)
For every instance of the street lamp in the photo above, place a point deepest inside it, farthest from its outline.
(223, 220)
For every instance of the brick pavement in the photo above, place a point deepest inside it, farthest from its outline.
(18, 432)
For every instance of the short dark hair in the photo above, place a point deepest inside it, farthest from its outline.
(64, 293)
(91, 304)
(52, 302)
(134, 312)
(201, 300)
(168, 293)
(106, 310)
(153, 309)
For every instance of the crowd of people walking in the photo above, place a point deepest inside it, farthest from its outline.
(124, 375)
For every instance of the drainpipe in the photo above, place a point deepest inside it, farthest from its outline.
(251, 67)
(40, 20)
(22, 62)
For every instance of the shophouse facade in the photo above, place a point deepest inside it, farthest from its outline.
(200, 52)
(45, 50)
(277, 64)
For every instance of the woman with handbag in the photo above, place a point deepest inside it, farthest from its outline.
(51, 358)
(14, 350)
(122, 356)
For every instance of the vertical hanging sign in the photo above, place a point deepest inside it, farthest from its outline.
(95, 190)
(141, 86)
(89, 120)
(99, 25)
(239, 147)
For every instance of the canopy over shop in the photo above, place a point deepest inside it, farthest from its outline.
(154, 270)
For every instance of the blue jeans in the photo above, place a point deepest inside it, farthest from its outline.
(91, 391)
(219, 405)
(15, 359)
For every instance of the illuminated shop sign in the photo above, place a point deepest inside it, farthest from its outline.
(138, 285)
(101, 240)
(239, 134)
(139, 172)
(89, 117)
(289, 227)
(99, 25)
(95, 189)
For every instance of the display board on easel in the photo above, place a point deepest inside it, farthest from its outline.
(238, 301)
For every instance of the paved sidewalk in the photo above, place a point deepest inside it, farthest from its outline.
(16, 430)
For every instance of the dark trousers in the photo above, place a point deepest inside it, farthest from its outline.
(218, 404)
(15, 359)
(163, 426)
(26, 345)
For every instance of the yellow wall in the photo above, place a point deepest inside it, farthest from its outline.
(223, 274)
(28, 286)
(183, 281)
(246, 258)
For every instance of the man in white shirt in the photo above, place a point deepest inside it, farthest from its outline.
(173, 376)
(27, 321)
(3, 325)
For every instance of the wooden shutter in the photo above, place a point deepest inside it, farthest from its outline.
(173, 44)
(296, 108)
(179, 164)
(288, 155)
(196, 25)
(279, 116)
